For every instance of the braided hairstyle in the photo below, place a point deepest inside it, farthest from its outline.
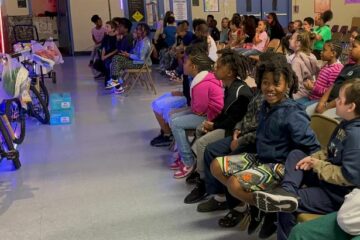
(239, 64)
(277, 64)
(197, 54)
(335, 47)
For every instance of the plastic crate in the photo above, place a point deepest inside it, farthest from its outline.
(62, 117)
(60, 101)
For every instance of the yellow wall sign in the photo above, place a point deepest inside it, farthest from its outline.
(137, 16)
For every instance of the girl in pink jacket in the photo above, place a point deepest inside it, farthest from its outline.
(207, 101)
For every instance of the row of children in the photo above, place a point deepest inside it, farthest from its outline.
(252, 151)
(119, 49)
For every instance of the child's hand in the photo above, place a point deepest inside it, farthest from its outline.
(308, 84)
(306, 164)
(208, 126)
(125, 54)
(320, 108)
(234, 143)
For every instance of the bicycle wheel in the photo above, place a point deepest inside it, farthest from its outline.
(16, 117)
(7, 146)
(37, 107)
(44, 93)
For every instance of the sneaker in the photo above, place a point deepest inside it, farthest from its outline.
(256, 217)
(176, 165)
(231, 219)
(91, 63)
(211, 205)
(197, 194)
(155, 139)
(119, 90)
(193, 178)
(183, 171)
(163, 141)
(276, 200)
(111, 84)
(269, 226)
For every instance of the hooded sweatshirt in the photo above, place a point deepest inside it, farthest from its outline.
(282, 128)
(207, 95)
(305, 67)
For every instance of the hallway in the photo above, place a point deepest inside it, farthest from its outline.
(99, 179)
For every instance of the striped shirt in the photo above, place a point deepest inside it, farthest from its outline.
(325, 79)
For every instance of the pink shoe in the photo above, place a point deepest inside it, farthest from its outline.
(176, 164)
(183, 171)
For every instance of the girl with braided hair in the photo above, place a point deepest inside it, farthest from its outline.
(232, 69)
(283, 126)
(207, 101)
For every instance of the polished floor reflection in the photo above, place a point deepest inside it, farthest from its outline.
(98, 179)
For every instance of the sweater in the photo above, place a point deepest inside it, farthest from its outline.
(325, 79)
(305, 67)
(207, 95)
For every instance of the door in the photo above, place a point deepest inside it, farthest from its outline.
(64, 27)
(260, 9)
(282, 8)
(249, 7)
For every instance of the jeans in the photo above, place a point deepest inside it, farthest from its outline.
(313, 198)
(306, 101)
(179, 123)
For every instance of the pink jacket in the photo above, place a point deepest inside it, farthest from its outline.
(207, 95)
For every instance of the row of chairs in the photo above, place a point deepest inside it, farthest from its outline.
(344, 29)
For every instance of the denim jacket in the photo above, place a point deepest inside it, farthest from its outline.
(140, 52)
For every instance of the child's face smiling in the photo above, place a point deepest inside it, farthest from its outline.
(273, 93)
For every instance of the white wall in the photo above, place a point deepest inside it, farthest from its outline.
(13, 10)
(81, 12)
(343, 13)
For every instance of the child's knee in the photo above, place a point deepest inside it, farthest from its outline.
(215, 168)
(233, 185)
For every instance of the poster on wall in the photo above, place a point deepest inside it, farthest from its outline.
(211, 5)
(351, 1)
(322, 5)
(136, 10)
(180, 9)
(21, 3)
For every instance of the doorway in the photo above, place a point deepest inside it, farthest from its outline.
(52, 19)
(260, 9)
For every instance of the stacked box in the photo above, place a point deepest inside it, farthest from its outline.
(61, 109)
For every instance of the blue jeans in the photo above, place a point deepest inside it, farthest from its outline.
(306, 101)
(179, 122)
(313, 198)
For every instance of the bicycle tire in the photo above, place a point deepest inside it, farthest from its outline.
(16, 117)
(44, 93)
(42, 114)
(9, 144)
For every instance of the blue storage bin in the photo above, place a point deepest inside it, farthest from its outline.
(60, 101)
(61, 117)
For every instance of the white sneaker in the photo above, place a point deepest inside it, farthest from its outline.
(119, 90)
(111, 84)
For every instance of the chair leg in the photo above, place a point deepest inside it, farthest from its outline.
(151, 82)
(133, 84)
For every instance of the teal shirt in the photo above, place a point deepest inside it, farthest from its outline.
(325, 33)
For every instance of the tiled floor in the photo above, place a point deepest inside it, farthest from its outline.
(99, 178)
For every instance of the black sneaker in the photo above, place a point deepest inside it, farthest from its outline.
(211, 205)
(269, 226)
(276, 200)
(197, 194)
(157, 138)
(256, 216)
(163, 141)
(193, 178)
